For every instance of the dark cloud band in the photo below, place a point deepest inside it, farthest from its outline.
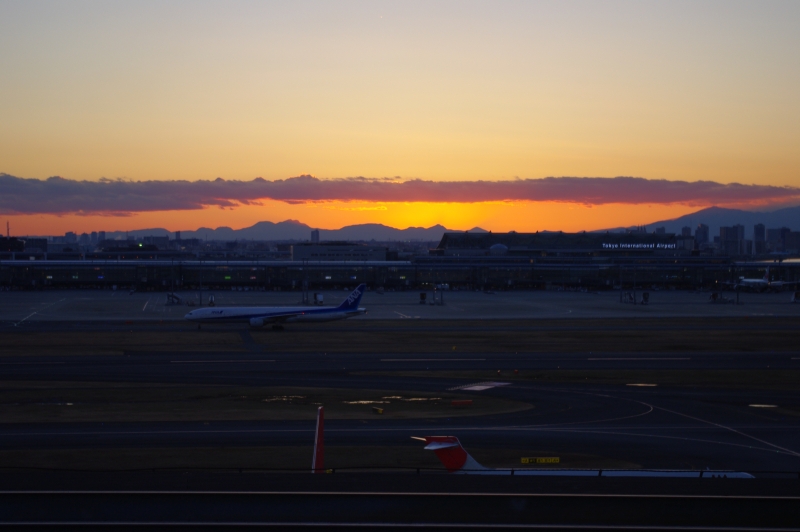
(57, 195)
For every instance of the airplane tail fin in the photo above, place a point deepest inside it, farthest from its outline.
(354, 299)
(318, 461)
(450, 452)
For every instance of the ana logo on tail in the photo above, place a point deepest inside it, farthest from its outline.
(354, 298)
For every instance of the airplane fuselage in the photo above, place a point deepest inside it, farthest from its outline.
(258, 316)
(263, 315)
(758, 284)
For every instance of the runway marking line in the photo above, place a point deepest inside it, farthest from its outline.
(354, 525)
(433, 360)
(789, 451)
(421, 494)
(216, 361)
(654, 358)
(542, 428)
(35, 312)
(427, 494)
(696, 440)
(479, 386)
(25, 318)
(26, 363)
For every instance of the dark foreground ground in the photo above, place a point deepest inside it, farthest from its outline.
(223, 501)
(115, 424)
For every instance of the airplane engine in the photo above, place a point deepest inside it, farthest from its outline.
(256, 322)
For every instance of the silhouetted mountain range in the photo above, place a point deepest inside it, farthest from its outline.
(716, 217)
(292, 230)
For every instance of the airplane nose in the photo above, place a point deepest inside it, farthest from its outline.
(188, 316)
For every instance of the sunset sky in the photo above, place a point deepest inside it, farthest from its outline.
(405, 113)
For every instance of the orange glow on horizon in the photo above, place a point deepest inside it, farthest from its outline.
(492, 216)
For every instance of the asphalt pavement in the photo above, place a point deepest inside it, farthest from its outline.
(662, 426)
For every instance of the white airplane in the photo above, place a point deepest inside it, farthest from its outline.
(780, 285)
(260, 316)
(762, 283)
(759, 284)
(457, 460)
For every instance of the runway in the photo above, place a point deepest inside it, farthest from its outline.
(659, 426)
(239, 366)
(679, 383)
(103, 305)
(151, 422)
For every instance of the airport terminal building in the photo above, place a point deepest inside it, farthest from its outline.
(344, 251)
(559, 244)
(453, 272)
(469, 261)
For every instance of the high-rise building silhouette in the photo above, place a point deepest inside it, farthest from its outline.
(732, 240)
(760, 238)
(701, 234)
(776, 238)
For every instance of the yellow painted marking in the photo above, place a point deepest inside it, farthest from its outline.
(542, 460)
